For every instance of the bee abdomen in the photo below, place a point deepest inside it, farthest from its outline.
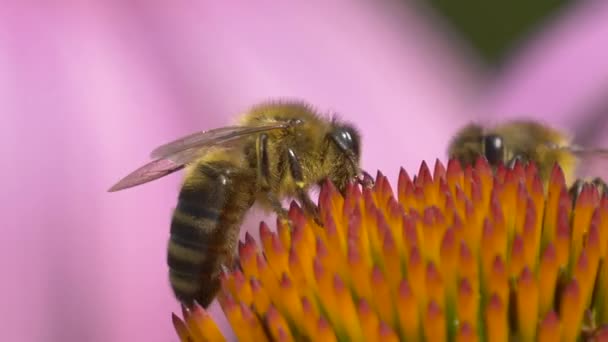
(200, 229)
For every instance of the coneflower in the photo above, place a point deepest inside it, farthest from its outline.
(454, 255)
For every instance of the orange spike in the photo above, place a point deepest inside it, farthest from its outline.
(416, 270)
(252, 325)
(548, 271)
(562, 240)
(382, 298)
(359, 272)
(289, 301)
(601, 300)
(467, 267)
(277, 326)
(454, 175)
(585, 275)
(549, 330)
(369, 321)
(434, 323)
(310, 317)
(235, 317)
(496, 320)
(392, 261)
(485, 174)
(556, 189)
(434, 226)
(284, 233)
(242, 290)
(247, 256)
(498, 280)
(466, 333)
(467, 304)
(346, 317)
(531, 235)
(449, 262)
(439, 170)
(571, 311)
(261, 301)
(330, 200)
(351, 200)
(296, 215)
(583, 211)
(301, 275)
(202, 327)
(527, 305)
(324, 332)
(434, 285)
(603, 224)
(409, 318)
(385, 333)
(518, 259)
(267, 277)
(424, 174)
(405, 190)
(181, 329)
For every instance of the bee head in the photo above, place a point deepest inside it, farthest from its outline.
(472, 142)
(344, 154)
(347, 139)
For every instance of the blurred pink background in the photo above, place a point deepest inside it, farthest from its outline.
(86, 91)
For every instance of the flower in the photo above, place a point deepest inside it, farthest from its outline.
(456, 254)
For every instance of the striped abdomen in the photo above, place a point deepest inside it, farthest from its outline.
(205, 228)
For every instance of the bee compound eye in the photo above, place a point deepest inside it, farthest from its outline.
(493, 149)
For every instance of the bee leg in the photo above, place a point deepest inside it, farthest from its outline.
(576, 189)
(365, 179)
(516, 159)
(601, 186)
(296, 173)
(264, 176)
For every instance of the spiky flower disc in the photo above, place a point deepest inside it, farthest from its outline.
(459, 255)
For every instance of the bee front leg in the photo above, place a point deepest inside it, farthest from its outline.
(577, 188)
(296, 173)
(263, 169)
(601, 186)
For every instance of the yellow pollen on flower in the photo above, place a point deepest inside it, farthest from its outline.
(459, 253)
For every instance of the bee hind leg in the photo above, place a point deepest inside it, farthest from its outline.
(296, 173)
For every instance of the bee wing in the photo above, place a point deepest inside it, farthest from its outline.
(147, 173)
(218, 136)
(582, 152)
(175, 155)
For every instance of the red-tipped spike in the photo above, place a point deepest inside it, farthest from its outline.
(439, 170)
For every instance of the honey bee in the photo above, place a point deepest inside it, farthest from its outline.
(525, 141)
(279, 150)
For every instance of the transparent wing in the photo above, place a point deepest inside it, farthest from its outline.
(218, 136)
(149, 172)
(582, 152)
(175, 155)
